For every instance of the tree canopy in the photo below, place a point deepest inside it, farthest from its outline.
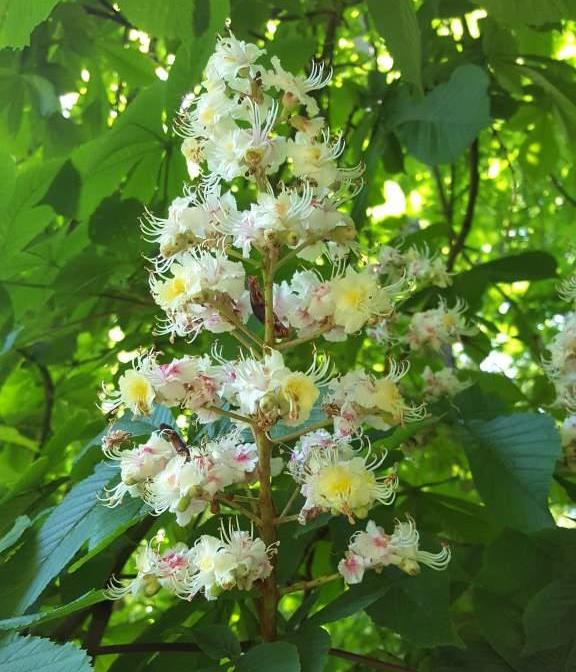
(463, 114)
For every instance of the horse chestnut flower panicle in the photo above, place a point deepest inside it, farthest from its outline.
(247, 265)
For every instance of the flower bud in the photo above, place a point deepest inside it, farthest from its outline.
(183, 503)
(409, 566)
(150, 586)
(268, 403)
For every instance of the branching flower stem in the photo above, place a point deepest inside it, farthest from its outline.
(268, 603)
(300, 432)
(229, 414)
(287, 345)
(307, 585)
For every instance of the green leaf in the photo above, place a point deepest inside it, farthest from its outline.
(512, 460)
(439, 127)
(12, 435)
(528, 12)
(418, 608)
(550, 615)
(396, 21)
(30, 654)
(217, 641)
(7, 181)
(18, 18)
(21, 524)
(353, 600)
(161, 19)
(278, 656)
(313, 645)
(19, 622)
(528, 266)
(46, 554)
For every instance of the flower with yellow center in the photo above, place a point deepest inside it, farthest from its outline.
(357, 297)
(136, 392)
(349, 487)
(301, 393)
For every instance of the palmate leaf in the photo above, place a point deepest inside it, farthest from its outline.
(31, 654)
(512, 459)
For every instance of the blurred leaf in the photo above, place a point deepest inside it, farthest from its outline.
(18, 18)
(397, 23)
(21, 524)
(277, 656)
(439, 127)
(217, 641)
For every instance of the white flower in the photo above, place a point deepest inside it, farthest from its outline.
(346, 486)
(352, 568)
(443, 383)
(438, 327)
(232, 58)
(311, 445)
(315, 161)
(358, 297)
(145, 583)
(250, 379)
(135, 391)
(358, 397)
(374, 549)
(296, 88)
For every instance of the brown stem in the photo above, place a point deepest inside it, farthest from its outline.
(268, 603)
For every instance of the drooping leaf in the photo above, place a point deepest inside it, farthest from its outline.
(512, 460)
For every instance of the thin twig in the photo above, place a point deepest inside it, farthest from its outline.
(287, 345)
(296, 435)
(230, 414)
(307, 585)
(291, 500)
(473, 189)
(368, 661)
(49, 395)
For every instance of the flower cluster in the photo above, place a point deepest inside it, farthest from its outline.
(438, 327)
(220, 251)
(374, 549)
(442, 383)
(358, 398)
(413, 264)
(214, 564)
(561, 365)
(337, 477)
(172, 476)
(337, 307)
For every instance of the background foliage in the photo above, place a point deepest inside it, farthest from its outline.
(464, 113)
